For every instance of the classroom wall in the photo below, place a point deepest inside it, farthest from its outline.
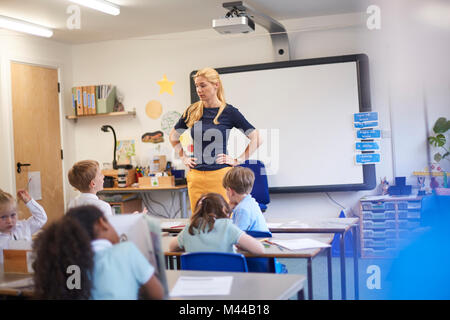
(42, 52)
(134, 66)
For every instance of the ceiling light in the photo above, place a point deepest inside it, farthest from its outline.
(100, 5)
(24, 26)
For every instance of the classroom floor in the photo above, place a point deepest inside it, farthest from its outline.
(320, 277)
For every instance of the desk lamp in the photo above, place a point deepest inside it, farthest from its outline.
(105, 128)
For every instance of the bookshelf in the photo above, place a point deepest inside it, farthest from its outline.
(110, 114)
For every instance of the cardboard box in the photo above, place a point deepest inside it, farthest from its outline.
(17, 261)
(157, 182)
(131, 176)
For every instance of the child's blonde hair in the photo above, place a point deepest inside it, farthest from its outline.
(240, 179)
(195, 111)
(82, 173)
(209, 207)
(5, 199)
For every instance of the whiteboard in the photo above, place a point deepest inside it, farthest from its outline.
(303, 110)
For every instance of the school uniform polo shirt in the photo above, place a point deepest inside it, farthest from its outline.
(119, 271)
(247, 215)
(220, 239)
(90, 199)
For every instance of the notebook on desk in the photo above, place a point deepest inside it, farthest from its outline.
(145, 233)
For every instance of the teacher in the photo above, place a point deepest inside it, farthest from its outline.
(210, 120)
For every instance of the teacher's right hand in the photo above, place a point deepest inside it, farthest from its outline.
(189, 162)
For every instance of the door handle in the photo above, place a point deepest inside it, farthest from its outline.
(19, 165)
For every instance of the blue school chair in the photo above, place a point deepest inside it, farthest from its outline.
(260, 189)
(271, 265)
(214, 261)
(335, 245)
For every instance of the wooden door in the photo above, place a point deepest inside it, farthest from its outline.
(37, 140)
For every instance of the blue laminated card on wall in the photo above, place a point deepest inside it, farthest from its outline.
(368, 134)
(367, 158)
(365, 116)
(368, 124)
(367, 146)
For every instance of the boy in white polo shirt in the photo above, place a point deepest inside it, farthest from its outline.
(87, 178)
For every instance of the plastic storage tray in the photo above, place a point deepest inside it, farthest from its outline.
(407, 214)
(376, 205)
(405, 205)
(380, 243)
(390, 234)
(386, 224)
(369, 215)
(379, 252)
(407, 224)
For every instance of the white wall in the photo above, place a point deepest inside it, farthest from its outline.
(38, 51)
(134, 66)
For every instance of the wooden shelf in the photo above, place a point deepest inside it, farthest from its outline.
(424, 173)
(111, 114)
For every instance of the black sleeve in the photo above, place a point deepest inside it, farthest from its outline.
(240, 122)
(180, 126)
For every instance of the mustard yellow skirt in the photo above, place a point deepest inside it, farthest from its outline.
(200, 182)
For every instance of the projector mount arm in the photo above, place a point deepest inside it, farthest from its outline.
(276, 30)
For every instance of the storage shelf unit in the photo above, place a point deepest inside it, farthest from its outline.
(387, 223)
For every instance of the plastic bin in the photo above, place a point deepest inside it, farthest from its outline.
(405, 205)
(369, 215)
(409, 214)
(379, 252)
(380, 243)
(377, 205)
(408, 224)
(386, 224)
(371, 234)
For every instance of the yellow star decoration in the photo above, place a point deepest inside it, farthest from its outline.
(165, 85)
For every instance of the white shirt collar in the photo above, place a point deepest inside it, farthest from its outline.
(89, 195)
(100, 244)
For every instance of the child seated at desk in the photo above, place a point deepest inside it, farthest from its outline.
(85, 241)
(87, 178)
(238, 182)
(210, 229)
(10, 228)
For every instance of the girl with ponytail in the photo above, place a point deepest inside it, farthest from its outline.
(211, 229)
(210, 120)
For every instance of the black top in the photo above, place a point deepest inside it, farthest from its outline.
(211, 139)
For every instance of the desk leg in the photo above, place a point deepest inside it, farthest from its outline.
(355, 260)
(183, 204)
(301, 294)
(330, 276)
(178, 262)
(309, 273)
(170, 262)
(343, 279)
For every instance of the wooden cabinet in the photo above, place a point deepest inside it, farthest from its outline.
(129, 206)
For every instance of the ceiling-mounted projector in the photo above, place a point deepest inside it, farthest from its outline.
(233, 25)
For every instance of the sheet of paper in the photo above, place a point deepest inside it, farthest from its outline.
(19, 245)
(34, 185)
(22, 283)
(171, 224)
(274, 224)
(300, 244)
(202, 286)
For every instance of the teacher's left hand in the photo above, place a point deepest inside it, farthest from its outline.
(226, 159)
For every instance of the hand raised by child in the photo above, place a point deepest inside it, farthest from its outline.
(23, 195)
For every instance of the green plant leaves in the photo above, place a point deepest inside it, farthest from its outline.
(441, 125)
(437, 157)
(437, 141)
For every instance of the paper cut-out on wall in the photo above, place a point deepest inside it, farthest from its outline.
(168, 120)
(153, 109)
(125, 150)
(165, 85)
(153, 137)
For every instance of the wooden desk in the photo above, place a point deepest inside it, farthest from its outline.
(246, 286)
(182, 191)
(9, 288)
(322, 226)
(275, 252)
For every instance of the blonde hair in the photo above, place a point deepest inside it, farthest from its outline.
(82, 173)
(5, 199)
(240, 179)
(195, 111)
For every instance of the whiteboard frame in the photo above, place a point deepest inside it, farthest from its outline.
(362, 64)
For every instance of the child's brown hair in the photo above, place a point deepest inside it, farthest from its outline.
(5, 199)
(240, 179)
(209, 207)
(82, 173)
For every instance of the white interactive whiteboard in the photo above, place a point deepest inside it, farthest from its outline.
(304, 112)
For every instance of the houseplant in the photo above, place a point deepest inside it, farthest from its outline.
(439, 140)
